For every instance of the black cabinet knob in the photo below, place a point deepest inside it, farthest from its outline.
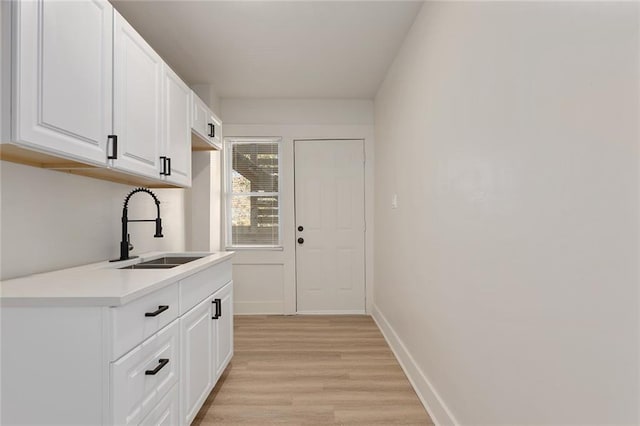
(300, 228)
(300, 240)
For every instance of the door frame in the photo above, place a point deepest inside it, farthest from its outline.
(281, 291)
(364, 220)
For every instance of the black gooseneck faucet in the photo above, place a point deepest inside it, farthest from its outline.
(125, 244)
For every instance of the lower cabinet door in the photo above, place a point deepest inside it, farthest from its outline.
(140, 378)
(167, 412)
(197, 350)
(223, 332)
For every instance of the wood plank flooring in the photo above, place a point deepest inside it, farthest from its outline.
(311, 370)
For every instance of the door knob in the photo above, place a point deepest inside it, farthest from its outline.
(300, 240)
(300, 228)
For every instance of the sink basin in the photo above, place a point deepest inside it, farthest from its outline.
(143, 266)
(166, 262)
(171, 260)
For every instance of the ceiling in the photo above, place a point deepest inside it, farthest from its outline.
(276, 49)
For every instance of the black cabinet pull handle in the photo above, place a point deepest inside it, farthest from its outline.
(160, 310)
(114, 145)
(168, 166)
(218, 304)
(300, 240)
(162, 363)
(163, 166)
(300, 228)
(212, 130)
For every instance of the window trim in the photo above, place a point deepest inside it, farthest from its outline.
(229, 142)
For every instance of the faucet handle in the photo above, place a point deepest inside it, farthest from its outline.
(158, 228)
(129, 242)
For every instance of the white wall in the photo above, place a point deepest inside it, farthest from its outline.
(298, 111)
(52, 220)
(507, 278)
(264, 280)
(202, 202)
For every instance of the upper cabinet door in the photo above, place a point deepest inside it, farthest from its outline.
(63, 77)
(137, 99)
(177, 129)
(214, 125)
(205, 125)
(199, 116)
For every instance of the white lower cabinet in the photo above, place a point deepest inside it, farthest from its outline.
(197, 351)
(223, 329)
(167, 412)
(144, 375)
(152, 361)
(207, 348)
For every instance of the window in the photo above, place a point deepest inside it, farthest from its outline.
(253, 192)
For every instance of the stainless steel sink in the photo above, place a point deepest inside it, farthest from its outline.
(171, 260)
(143, 266)
(166, 262)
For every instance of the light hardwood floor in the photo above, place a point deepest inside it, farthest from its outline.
(311, 370)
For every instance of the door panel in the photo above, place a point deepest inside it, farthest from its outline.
(330, 207)
(224, 327)
(177, 144)
(64, 93)
(167, 412)
(133, 392)
(197, 351)
(137, 101)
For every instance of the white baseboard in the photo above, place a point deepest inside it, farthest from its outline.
(353, 312)
(259, 308)
(435, 406)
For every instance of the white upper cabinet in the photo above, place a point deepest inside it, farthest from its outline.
(205, 125)
(137, 102)
(81, 86)
(63, 77)
(214, 126)
(175, 164)
(199, 116)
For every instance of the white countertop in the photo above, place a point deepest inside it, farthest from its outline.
(101, 284)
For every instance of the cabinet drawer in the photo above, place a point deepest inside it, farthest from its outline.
(135, 321)
(167, 412)
(142, 377)
(195, 288)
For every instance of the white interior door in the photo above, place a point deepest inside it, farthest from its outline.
(329, 191)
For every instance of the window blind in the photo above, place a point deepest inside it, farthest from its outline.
(253, 193)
